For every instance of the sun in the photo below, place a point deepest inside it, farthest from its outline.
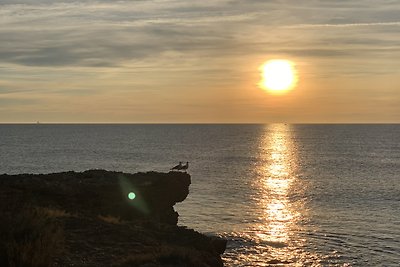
(278, 75)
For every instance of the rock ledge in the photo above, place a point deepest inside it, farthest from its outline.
(110, 218)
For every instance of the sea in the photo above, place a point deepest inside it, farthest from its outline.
(282, 194)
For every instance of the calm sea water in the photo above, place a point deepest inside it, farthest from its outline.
(295, 195)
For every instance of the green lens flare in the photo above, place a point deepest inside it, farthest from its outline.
(131, 196)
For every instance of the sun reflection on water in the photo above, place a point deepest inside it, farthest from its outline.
(275, 229)
(277, 180)
(277, 175)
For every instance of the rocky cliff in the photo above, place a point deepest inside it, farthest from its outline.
(107, 218)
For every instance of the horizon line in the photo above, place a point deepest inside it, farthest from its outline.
(183, 123)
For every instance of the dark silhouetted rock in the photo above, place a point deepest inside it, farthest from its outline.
(219, 244)
(113, 218)
(105, 192)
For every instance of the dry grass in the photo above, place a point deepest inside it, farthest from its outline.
(29, 238)
(110, 219)
(54, 212)
(166, 255)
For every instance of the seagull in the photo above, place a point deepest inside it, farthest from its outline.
(177, 167)
(185, 167)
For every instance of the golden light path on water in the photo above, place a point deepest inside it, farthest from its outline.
(280, 204)
(276, 179)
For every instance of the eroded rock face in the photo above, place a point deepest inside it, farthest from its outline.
(128, 196)
(142, 229)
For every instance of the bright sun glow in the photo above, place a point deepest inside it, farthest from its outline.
(278, 75)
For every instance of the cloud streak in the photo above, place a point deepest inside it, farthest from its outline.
(344, 25)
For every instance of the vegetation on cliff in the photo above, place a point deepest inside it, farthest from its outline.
(92, 219)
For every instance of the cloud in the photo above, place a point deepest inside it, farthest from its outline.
(115, 33)
(344, 25)
(106, 34)
(10, 102)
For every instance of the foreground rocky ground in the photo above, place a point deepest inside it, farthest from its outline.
(99, 218)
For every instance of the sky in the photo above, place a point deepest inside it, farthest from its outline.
(167, 61)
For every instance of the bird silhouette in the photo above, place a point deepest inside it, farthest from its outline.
(177, 167)
(185, 167)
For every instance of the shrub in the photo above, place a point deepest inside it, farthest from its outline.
(110, 219)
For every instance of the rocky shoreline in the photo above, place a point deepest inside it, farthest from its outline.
(100, 218)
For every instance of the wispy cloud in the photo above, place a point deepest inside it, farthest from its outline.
(344, 25)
